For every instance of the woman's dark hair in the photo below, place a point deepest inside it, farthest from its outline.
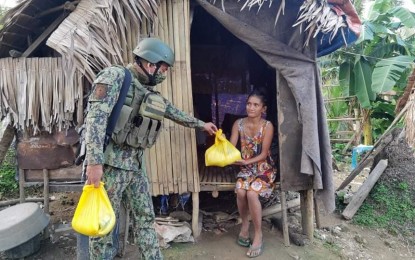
(261, 94)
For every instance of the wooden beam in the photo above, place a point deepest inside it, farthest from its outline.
(364, 190)
(307, 213)
(67, 6)
(44, 35)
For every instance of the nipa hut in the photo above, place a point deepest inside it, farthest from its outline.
(51, 50)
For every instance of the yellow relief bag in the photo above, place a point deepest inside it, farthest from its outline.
(222, 152)
(94, 215)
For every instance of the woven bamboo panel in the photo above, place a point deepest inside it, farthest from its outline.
(172, 163)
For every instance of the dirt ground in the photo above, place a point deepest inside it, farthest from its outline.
(336, 239)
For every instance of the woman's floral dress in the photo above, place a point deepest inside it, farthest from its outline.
(260, 176)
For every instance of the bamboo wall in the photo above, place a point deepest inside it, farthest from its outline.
(172, 162)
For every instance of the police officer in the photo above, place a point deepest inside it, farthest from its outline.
(121, 165)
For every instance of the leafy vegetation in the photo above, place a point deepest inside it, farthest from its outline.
(389, 205)
(380, 61)
(9, 186)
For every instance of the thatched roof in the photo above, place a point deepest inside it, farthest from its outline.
(90, 31)
(96, 34)
(25, 22)
(40, 92)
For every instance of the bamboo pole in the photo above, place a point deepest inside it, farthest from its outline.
(195, 171)
(179, 89)
(177, 169)
(187, 101)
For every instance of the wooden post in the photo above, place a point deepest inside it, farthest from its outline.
(195, 214)
(317, 213)
(307, 213)
(284, 219)
(21, 185)
(364, 190)
(46, 191)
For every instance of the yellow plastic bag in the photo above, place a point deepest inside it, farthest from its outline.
(94, 215)
(222, 152)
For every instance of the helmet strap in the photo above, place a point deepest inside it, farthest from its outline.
(151, 78)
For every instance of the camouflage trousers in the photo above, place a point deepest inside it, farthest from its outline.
(131, 188)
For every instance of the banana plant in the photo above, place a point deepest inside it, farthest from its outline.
(380, 57)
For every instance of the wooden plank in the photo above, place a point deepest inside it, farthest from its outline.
(66, 188)
(364, 190)
(62, 174)
(218, 187)
(44, 35)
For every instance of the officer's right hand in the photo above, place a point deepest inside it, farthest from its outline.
(210, 128)
(94, 174)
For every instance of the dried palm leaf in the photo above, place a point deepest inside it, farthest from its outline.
(93, 36)
(319, 17)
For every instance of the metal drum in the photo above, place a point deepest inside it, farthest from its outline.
(20, 228)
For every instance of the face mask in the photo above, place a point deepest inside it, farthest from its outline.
(159, 77)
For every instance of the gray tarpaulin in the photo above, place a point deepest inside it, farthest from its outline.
(282, 47)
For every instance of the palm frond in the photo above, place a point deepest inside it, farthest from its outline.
(319, 17)
(94, 35)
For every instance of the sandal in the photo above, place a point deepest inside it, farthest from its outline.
(255, 251)
(242, 241)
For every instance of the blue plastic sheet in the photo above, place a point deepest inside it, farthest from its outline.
(325, 46)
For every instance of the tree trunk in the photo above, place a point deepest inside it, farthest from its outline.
(367, 127)
(5, 141)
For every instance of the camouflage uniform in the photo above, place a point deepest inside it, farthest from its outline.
(124, 169)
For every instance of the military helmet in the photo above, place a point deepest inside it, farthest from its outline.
(154, 51)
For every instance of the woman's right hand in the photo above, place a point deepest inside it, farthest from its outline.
(94, 174)
(240, 162)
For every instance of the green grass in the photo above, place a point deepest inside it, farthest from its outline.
(389, 205)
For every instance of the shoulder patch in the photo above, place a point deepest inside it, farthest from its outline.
(100, 91)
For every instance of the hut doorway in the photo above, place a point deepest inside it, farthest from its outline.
(224, 71)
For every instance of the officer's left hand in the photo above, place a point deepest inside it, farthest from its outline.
(210, 128)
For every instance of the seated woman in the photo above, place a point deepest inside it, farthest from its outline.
(257, 175)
